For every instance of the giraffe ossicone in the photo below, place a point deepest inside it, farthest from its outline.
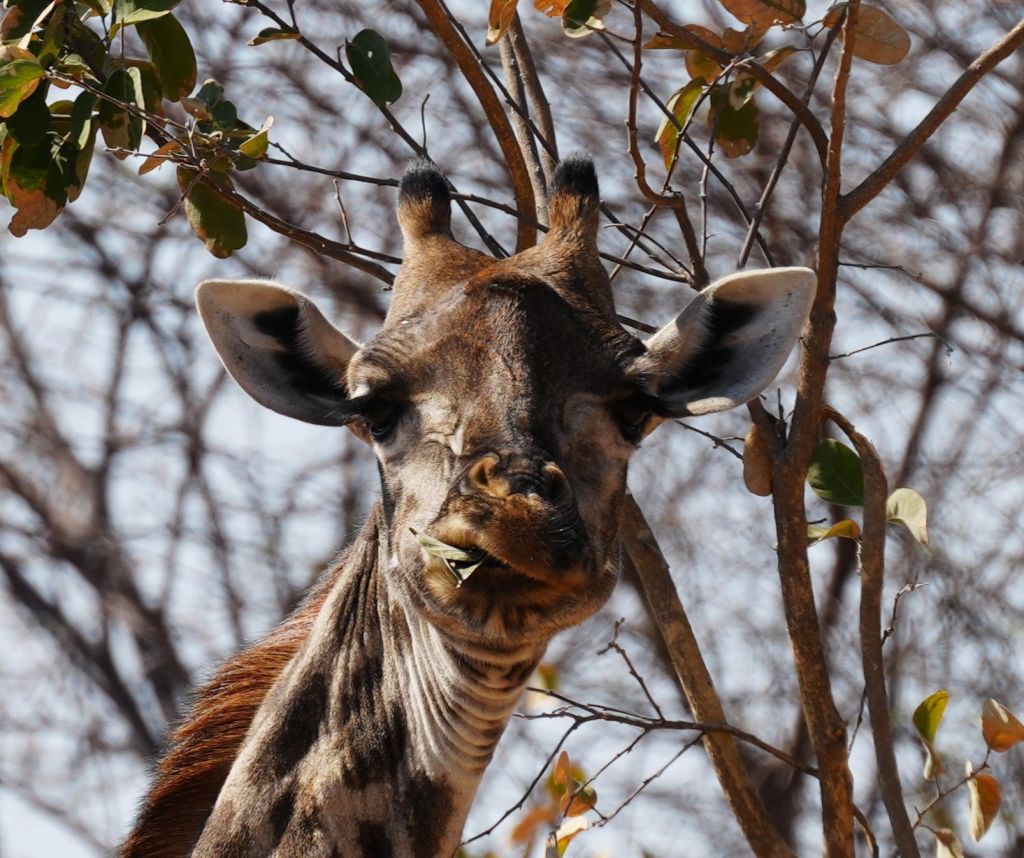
(503, 401)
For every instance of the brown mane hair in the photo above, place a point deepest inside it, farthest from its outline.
(203, 748)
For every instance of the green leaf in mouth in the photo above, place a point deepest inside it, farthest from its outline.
(461, 562)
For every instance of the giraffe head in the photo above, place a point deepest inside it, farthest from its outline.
(503, 399)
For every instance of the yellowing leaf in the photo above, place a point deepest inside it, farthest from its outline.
(927, 718)
(273, 34)
(157, 158)
(736, 129)
(700, 66)
(1000, 726)
(880, 39)
(947, 845)
(499, 18)
(680, 105)
(548, 675)
(773, 59)
(539, 817)
(932, 762)
(562, 775)
(907, 507)
(551, 8)
(757, 464)
(19, 77)
(567, 831)
(573, 798)
(984, 803)
(664, 42)
(928, 714)
(255, 147)
(737, 41)
(581, 17)
(764, 13)
(846, 529)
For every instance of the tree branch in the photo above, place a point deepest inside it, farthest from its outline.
(868, 189)
(825, 725)
(667, 611)
(522, 188)
(872, 564)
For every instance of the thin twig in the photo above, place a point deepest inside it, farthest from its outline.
(924, 334)
(614, 644)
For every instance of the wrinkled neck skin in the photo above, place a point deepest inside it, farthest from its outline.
(374, 739)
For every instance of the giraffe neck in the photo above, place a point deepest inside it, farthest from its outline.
(374, 739)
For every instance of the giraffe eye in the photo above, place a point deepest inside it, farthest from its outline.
(381, 415)
(632, 415)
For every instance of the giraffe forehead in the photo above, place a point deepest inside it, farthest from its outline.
(514, 335)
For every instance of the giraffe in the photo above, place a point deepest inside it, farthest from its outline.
(503, 401)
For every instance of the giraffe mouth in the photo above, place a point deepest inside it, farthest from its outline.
(460, 562)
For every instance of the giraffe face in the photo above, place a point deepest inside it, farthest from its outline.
(503, 400)
(503, 416)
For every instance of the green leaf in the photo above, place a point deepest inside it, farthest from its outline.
(928, 714)
(122, 131)
(171, 52)
(51, 40)
(582, 17)
(273, 34)
(82, 119)
(736, 129)
(836, 474)
(370, 58)
(30, 122)
(680, 105)
(133, 11)
(19, 77)
(214, 112)
(907, 507)
(74, 65)
(81, 140)
(218, 222)
(846, 529)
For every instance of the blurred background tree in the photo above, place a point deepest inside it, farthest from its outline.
(152, 519)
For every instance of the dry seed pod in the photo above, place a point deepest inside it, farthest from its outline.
(757, 464)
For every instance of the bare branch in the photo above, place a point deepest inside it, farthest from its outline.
(868, 189)
(872, 564)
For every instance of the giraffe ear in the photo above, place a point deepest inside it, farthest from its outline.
(729, 342)
(279, 347)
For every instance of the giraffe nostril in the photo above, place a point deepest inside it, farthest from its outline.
(555, 486)
(499, 477)
(485, 476)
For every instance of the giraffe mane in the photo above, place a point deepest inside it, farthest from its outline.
(203, 747)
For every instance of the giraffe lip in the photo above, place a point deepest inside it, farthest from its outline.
(460, 561)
